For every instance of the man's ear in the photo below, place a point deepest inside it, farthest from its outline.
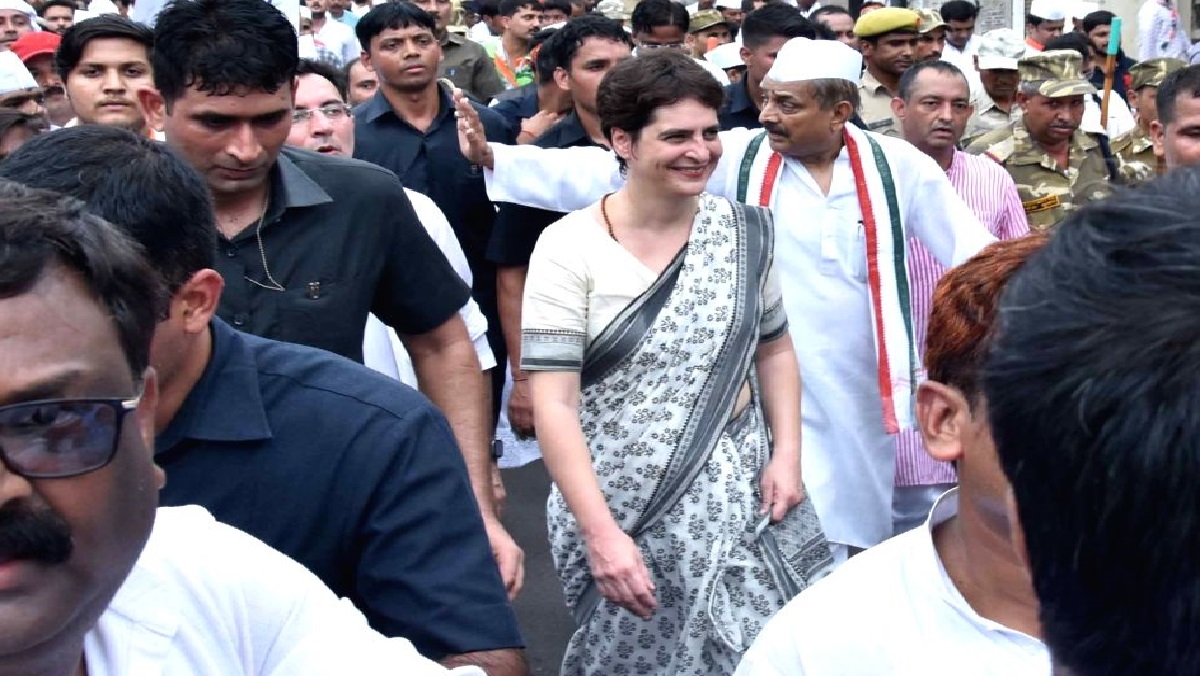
(1022, 100)
(899, 108)
(195, 302)
(562, 79)
(745, 54)
(154, 108)
(943, 416)
(1156, 137)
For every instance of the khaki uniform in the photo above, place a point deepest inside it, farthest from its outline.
(988, 117)
(876, 109)
(1048, 192)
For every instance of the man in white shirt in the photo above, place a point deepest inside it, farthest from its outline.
(334, 35)
(94, 579)
(960, 16)
(951, 597)
(1161, 32)
(805, 165)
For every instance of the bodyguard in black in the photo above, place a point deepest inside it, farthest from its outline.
(350, 473)
(409, 128)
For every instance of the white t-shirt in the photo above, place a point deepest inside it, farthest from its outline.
(892, 610)
(339, 38)
(206, 599)
(383, 350)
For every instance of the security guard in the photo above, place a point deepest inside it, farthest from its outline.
(1144, 79)
(888, 41)
(1057, 167)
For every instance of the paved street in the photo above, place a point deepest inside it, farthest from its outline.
(545, 622)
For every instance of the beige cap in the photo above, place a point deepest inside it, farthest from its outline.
(1057, 73)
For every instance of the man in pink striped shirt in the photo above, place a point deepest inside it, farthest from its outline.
(934, 106)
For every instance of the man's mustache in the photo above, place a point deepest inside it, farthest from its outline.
(30, 534)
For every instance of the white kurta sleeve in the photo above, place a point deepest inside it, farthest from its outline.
(936, 215)
(555, 179)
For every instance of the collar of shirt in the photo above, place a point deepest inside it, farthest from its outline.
(566, 133)
(1035, 45)
(226, 403)
(291, 188)
(452, 38)
(379, 106)
(872, 85)
(739, 97)
(1028, 152)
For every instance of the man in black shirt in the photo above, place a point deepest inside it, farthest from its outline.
(763, 33)
(585, 49)
(311, 244)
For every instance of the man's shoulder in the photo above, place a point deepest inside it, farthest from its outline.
(464, 47)
(998, 144)
(342, 173)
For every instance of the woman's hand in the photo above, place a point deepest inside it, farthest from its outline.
(472, 140)
(782, 487)
(621, 573)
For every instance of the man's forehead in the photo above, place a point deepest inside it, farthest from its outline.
(931, 81)
(791, 90)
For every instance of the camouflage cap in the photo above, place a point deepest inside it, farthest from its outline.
(930, 19)
(1152, 72)
(1000, 49)
(706, 18)
(1056, 73)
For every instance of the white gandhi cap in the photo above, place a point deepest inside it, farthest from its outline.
(1050, 10)
(802, 59)
(14, 76)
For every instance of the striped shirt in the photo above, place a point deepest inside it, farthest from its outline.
(990, 192)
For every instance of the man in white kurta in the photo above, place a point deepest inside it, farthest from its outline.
(821, 255)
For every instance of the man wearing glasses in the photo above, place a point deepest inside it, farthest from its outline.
(93, 578)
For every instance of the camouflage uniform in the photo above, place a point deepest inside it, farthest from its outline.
(1135, 147)
(1050, 192)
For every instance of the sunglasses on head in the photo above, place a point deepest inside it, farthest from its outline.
(59, 438)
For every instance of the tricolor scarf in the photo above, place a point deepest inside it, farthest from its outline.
(887, 274)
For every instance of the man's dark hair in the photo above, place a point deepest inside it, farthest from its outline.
(511, 7)
(1100, 17)
(221, 47)
(55, 3)
(1091, 384)
(488, 8)
(563, 6)
(392, 16)
(1072, 41)
(909, 78)
(959, 10)
(1184, 82)
(545, 62)
(335, 75)
(869, 3)
(346, 68)
(40, 231)
(565, 43)
(650, 14)
(776, 20)
(825, 10)
(142, 186)
(77, 37)
(1032, 20)
(635, 89)
(14, 119)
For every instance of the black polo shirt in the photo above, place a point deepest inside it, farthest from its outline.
(518, 227)
(516, 106)
(352, 474)
(431, 163)
(342, 239)
(739, 109)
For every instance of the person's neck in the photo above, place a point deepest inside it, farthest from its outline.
(754, 91)
(1056, 149)
(64, 658)
(944, 156)
(1003, 102)
(982, 565)
(237, 211)
(591, 124)
(817, 159)
(889, 81)
(336, 13)
(551, 97)
(318, 21)
(173, 389)
(514, 47)
(649, 209)
(417, 108)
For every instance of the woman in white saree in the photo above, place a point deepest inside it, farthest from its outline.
(667, 397)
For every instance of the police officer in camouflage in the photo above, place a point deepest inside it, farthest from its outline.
(1144, 79)
(1057, 167)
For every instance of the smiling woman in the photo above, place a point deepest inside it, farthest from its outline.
(666, 396)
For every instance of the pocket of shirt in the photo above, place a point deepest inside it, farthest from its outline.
(844, 250)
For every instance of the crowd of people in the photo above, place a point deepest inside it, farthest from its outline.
(852, 342)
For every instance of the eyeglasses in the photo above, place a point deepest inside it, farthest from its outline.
(59, 438)
(663, 45)
(332, 111)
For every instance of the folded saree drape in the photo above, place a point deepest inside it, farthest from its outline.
(679, 472)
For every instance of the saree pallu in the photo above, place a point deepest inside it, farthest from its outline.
(679, 473)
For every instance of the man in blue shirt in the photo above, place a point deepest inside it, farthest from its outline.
(350, 473)
(409, 127)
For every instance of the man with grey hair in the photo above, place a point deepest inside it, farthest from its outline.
(1056, 166)
(855, 194)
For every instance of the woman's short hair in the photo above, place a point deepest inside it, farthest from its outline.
(631, 92)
